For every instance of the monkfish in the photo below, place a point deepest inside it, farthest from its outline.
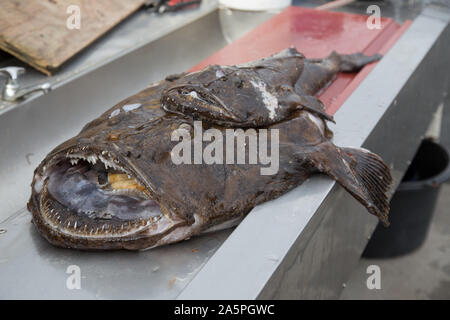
(116, 185)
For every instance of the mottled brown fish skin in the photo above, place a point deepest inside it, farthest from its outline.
(212, 194)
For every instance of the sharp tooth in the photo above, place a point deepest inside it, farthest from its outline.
(68, 224)
(92, 159)
(75, 225)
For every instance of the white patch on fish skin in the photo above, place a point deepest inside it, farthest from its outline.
(194, 95)
(363, 150)
(360, 149)
(38, 183)
(130, 107)
(219, 73)
(317, 121)
(269, 100)
(114, 113)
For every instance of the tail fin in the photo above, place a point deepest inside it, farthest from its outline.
(356, 61)
(363, 174)
(317, 73)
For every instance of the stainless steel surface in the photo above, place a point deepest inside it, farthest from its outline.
(12, 91)
(309, 247)
(30, 268)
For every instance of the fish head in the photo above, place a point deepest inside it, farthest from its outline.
(94, 198)
(243, 95)
(195, 99)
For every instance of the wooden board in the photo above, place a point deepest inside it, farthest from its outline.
(36, 32)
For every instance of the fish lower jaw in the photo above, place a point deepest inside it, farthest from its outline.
(83, 197)
(57, 220)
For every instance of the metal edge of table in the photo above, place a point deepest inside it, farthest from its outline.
(305, 243)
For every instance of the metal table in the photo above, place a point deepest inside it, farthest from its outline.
(302, 245)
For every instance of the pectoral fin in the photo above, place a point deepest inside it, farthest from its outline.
(308, 103)
(360, 172)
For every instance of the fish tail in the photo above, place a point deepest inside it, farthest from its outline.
(356, 61)
(363, 174)
(317, 73)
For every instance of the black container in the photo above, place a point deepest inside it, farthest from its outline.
(412, 205)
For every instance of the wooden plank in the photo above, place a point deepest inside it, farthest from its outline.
(36, 32)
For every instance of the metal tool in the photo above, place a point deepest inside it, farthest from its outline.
(12, 91)
(162, 6)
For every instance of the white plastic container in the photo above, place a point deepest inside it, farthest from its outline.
(255, 5)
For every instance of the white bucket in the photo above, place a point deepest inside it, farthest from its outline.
(255, 5)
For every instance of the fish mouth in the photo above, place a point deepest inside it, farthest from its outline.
(88, 195)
